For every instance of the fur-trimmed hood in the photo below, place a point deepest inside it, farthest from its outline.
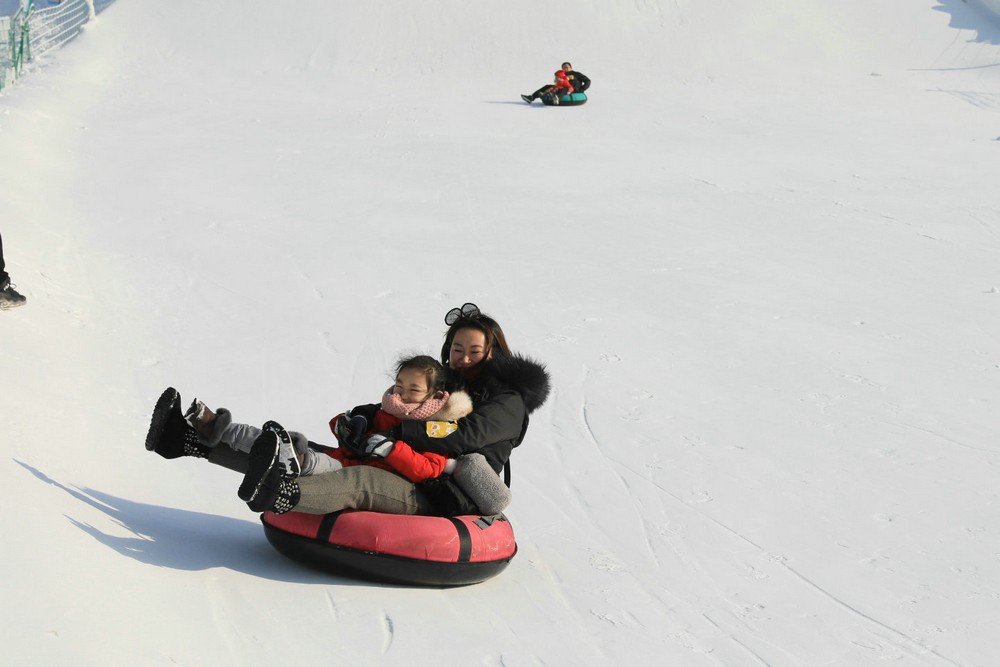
(459, 405)
(522, 374)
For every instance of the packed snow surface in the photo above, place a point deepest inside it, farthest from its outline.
(762, 265)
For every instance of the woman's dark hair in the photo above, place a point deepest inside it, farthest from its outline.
(496, 342)
(437, 376)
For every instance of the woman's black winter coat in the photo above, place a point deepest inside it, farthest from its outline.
(508, 389)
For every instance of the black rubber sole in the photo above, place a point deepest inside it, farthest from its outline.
(168, 402)
(262, 473)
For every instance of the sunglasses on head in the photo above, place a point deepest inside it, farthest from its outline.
(467, 311)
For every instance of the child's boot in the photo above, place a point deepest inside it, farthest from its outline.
(169, 434)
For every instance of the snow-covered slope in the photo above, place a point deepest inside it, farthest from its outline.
(761, 264)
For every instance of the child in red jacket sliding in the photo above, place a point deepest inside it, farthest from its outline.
(560, 86)
(419, 393)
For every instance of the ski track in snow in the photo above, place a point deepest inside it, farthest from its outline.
(952, 441)
(677, 545)
(980, 99)
(903, 642)
(987, 227)
(331, 602)
(899, 638)
(753, 654)
(388, 631)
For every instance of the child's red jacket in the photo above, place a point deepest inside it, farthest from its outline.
(403, 459)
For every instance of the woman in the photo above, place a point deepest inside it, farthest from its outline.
(505, 388)
(579, 82)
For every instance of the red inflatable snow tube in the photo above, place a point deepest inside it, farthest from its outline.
(396, 548)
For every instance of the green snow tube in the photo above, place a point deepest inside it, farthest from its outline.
(571, 100)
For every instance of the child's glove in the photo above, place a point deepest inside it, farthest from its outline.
(380, 444)
(350, 429)
(374, 445)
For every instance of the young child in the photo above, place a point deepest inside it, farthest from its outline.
(419, 393)
(560, 86)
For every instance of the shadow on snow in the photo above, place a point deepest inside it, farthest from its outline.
(184, 540)
(973, 15)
